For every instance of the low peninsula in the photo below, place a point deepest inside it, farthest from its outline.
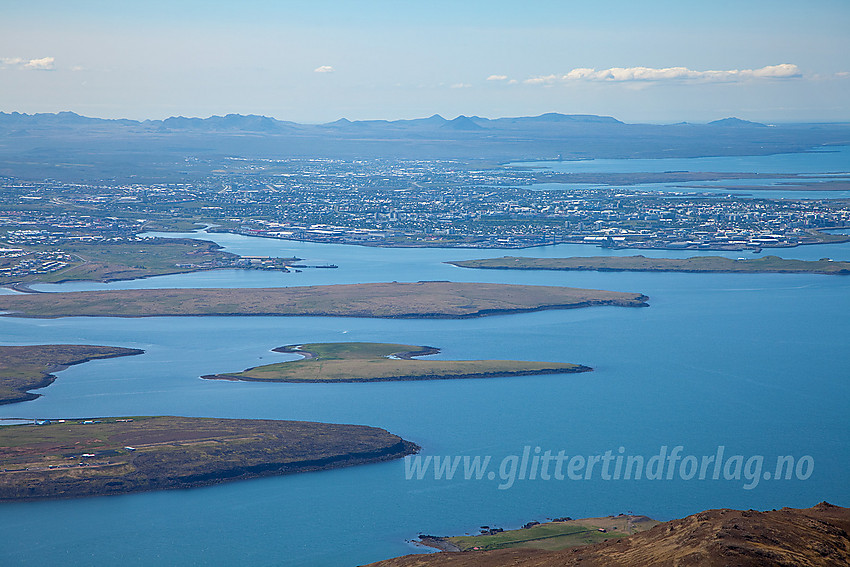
(427, 300)
(24, 368)
(127, 258)
(382, 362)
(696, 264)
(70, 458)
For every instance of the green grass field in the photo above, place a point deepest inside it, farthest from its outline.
(373, 362)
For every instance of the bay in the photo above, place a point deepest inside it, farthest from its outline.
(750, 362)
(756, 363)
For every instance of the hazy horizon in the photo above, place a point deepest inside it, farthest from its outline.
(424, 117)
(657, 62)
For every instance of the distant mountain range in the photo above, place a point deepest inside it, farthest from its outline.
(68, 146)
(257, 123)
(737, 123)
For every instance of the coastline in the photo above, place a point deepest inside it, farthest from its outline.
(46, 375)
(481, 313)
(403, 449)
(177, 453)
(25, 287)
(722, 536)
(348, 362)
(408, 378)
(526, 245)
(391, 300)
(639, 263)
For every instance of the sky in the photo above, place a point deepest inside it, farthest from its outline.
(654, 61)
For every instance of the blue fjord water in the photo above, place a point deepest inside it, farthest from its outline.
(756, 363)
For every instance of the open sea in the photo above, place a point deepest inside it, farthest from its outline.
(757, 364)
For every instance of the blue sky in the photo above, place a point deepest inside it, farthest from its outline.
(650, 61)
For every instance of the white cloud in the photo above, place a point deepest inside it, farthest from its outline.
(650, 74)
(544, 80)
(497, 78)
(460, 86)
(43, 64)
(783, 71)
(324, 69)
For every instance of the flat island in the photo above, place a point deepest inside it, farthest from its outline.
(696, 264)
(100, 456)
(381, 362)
(24, 368)
(385, 300)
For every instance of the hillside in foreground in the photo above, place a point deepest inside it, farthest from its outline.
(799, 537)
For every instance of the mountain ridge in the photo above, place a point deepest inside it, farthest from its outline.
(263, 122)
(76, 148)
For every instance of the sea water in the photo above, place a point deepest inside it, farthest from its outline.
(824, 164)
(755, 363)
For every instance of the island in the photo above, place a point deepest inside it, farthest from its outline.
(383, 300)
(382, 362)
(68, 458)
(696, 264)
(121, 258)
(713, 538)
(24, 368)
(559, 533)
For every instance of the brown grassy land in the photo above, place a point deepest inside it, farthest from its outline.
(24, 368)
(697, 264)
(394, 300)
(369, 362)
(715, 538)
(101, 456)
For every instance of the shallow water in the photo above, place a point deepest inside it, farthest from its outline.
(756, 363)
